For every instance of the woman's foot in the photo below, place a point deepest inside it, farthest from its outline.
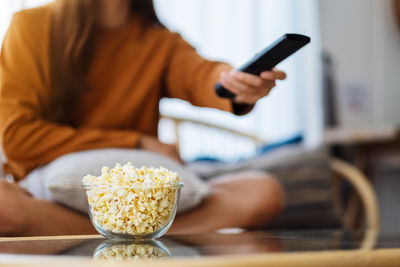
(246, 200)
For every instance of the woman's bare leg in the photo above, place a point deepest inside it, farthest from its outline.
(23, 215)
(246, 200)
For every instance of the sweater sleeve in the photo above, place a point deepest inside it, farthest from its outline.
(27, 139)
(192, 78)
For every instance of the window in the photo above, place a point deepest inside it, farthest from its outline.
(233, 31)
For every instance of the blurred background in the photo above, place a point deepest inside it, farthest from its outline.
(342, 91)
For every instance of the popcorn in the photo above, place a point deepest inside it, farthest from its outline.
(128, 200)
(130, 252)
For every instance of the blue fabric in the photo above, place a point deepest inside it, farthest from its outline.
(297, 139)
(262, 150)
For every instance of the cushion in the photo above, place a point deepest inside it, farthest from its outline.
(61, 179)
(286, 157)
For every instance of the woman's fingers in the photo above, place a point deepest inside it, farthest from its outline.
(249, 79)
(274, 74)
(236, 86)
(244, 83)
(248, 87)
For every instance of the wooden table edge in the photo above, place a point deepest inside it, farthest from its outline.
(38, 238)
(379, 257)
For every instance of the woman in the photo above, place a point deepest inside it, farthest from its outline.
(88, 74)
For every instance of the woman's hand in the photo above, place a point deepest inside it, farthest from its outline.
(154, 145)
(248, 88)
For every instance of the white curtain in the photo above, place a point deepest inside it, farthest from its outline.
(233, 31)
(8, 7)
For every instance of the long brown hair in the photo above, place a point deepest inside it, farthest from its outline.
(71, 42)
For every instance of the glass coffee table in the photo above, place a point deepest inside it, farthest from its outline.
(227, 248)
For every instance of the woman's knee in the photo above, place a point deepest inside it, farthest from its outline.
(268, 198)
(257, 196)
(273, 199)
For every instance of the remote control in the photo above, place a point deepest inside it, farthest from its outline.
(268, 58)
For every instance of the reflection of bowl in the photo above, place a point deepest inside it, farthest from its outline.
(136, 211)
(122, 251)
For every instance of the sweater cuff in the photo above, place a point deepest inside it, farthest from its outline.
(241, 109)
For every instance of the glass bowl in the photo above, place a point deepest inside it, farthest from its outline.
(136, 211)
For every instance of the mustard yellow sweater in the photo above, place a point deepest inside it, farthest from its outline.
(131, 70)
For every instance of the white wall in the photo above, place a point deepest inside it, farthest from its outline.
(362, 37)
(391, 49)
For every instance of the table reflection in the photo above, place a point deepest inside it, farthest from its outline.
(210, 244)
(215, 244)
(123, 251)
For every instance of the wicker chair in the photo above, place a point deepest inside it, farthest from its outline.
(342, 171)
